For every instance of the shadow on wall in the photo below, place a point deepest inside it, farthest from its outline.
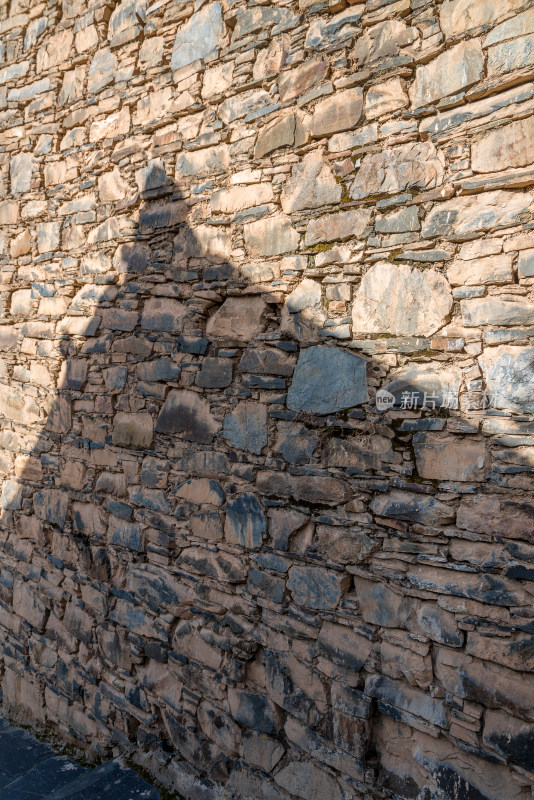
(143, 487)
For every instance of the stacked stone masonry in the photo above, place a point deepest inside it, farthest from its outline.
(224, 227)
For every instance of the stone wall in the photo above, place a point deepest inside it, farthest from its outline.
(225, 227)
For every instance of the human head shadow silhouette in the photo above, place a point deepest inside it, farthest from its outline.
(174, 366)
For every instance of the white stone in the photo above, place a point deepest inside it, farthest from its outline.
(311, 185)
(111, 186)
(459, 16)
(449, 73)
(385, 98)
(396, 169)
(217, 80)
(227, 201)
(509, 375)
(402, 301)
(271, 236)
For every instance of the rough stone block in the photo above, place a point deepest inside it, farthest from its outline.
(337, 113)
(254, 711)
(327, 380)
(449, 73)
(133, 430)
(412, 508)
(396, 169)
(380, 302)
(305, 780)
(51, 506)
(245, 521)
(508, 374)
(246, 427)
(311, 185)
(317, 588)
(445, 458)
(239, 319)
(188, 414)
(200, 35)
(272, 236)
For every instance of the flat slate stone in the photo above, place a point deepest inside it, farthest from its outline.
(188, 414)
(198, 37)
(326, 380)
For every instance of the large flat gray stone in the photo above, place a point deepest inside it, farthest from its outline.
(326, 380)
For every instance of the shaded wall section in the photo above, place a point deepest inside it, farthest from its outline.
(266, 392)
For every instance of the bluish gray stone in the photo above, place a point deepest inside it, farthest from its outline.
(323, 32)
(220, 566)
(95, 783)
(153, 584)
(150, 498)
(215, 373)
(51, 506)
(246, 427)
(292, 685)
(23, 94)
(251, 20)
(14, 71)
(162, 369)
(261, 382)
(295, 442)
(125, 534)
(305, 780)
(262, 584)
(245, 521)
(74, 373)
(254, 711)
(163, 314)
(412, 507)
(512, 738)
(115, 378)
(198, 37)
(439, 625)
(315, 587)
(283, 522)
(11, 498)
(270, 361)
(343, 645)
(154, 471)
(380, 605)
(117, 508)
(313, 489)
(407, 698)
(326, 380)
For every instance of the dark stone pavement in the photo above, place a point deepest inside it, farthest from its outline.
(31, 770)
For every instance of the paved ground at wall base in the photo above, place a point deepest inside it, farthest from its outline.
(31, 770)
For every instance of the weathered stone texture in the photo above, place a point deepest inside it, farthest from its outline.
(456, 69)
(401, 301)
(413, 166)
(266, 391)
